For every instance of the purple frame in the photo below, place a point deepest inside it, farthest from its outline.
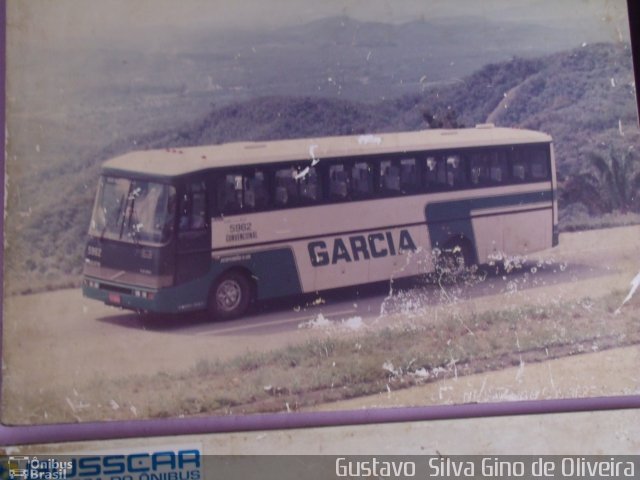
(69, 432)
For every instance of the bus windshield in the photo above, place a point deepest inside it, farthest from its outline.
(133, 211)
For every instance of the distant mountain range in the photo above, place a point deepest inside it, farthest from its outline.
(336, 56)
(367, 61)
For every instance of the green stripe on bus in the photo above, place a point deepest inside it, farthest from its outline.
(453, 218)
(274, 271)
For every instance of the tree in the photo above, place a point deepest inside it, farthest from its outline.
(441, 119)
(615, 175)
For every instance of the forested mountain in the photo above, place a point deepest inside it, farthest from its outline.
(584, 98)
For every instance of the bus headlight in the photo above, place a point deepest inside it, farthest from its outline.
(144, 294)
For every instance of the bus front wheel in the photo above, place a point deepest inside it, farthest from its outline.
(230, 296)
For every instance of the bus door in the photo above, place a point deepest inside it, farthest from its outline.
(194, 232)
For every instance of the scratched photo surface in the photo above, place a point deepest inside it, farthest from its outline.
(219, 208)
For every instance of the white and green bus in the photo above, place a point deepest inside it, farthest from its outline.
(217, 227)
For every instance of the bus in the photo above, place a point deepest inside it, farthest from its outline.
(217, 227)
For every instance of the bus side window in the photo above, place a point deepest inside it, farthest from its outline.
(519, 170)
(256, 194)
(456, 177)
(479, 169)
(389, 177)
(286, 188)
(362, 180)
(338, 182)
(198, 220)
(193, 208)
(539, 162)
(435, 173)
(409, 177)
(169, 216)
(230, 193)
(310, 185)
(498, 167)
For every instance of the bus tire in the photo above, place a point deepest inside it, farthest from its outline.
(230, 296)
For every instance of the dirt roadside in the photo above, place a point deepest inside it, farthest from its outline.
(608, 373)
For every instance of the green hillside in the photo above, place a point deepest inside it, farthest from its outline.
(584, 98)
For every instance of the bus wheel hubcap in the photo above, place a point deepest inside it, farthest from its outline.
(229, 295)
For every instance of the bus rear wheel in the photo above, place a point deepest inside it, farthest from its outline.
(230, 296)
(454, 260)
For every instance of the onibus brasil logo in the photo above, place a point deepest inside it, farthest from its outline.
(32, 468)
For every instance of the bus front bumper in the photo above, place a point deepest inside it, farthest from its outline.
(133, 297)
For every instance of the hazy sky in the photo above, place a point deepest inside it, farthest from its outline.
(63, 21)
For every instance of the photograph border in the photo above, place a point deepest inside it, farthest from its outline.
(52, 433)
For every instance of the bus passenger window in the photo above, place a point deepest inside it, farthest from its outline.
(389, 177)
(198, 208)
(519, 165)
(256, 196)
(183, 224)
(249, 195)
(519, 172)
(488, 168)
(409, 179)
(498, 170)
(338, 182)
(435, 173)
(309, 183)
(167, 227)
(230, 193)
(456, 177)
(362, 180)
(193, 208)
(286, 192)
(539, 165)
(479, 169)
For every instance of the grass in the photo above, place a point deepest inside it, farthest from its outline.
(339, 366)
(581, 220)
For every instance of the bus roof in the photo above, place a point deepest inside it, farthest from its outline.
(180, 161)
